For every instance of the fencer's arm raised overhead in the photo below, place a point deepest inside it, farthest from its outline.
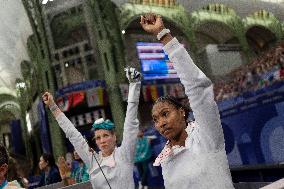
(131, 123)
(198, 87)
(116, 163)
(75, 137)
(198, 145)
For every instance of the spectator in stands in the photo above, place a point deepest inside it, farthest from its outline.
(255, 78)
(117, 163)
(143, 153)
(219, 97)
(194, 156)
(14, 174)
(227, 91)
(80, 172)
(50, 172)
(65, 171)
(69, 158)
(74, 163)
(249, 80)
(241, 83)
(4, 161)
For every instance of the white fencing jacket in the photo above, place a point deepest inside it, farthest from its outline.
(202, 163)
(118, 167)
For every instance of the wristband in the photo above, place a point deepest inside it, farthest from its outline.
(53, 107)
(162, 33)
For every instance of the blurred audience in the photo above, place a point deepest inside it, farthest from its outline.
(261, 72)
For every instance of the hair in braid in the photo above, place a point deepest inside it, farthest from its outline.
(175, 102)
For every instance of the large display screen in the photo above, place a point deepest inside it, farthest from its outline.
(154, 61)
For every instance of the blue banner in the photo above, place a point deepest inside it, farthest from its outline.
(253, 127)
(43, 129)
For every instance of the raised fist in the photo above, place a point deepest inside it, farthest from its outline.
(47, 99)
(152, 23)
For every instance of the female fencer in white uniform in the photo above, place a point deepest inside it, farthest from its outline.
(116, 162)
(194, 156)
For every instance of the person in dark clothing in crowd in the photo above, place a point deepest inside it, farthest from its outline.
(50, 172)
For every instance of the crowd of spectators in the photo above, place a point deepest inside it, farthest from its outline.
(67, 170)
(70, 170)
(261, 72)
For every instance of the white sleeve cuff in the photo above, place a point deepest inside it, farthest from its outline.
(171, 46)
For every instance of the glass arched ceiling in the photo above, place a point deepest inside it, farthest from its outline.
(14, 31)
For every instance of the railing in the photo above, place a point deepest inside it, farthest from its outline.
(85, 185)
(246, 185)
(52, 186)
